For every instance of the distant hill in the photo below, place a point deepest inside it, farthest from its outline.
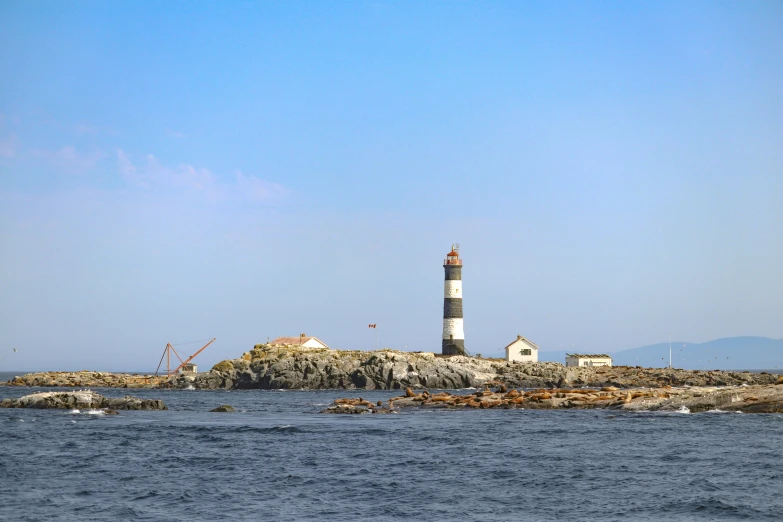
(730, 353)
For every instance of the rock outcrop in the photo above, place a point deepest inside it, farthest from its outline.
(226, 408)
(88, 379)
(82, 399)
(270, 367)
(747, 399)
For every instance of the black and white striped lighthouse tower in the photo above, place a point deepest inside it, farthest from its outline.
(453, 334)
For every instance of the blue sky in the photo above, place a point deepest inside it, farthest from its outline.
(182, 170)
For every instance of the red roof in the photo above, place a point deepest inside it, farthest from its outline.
(293, 341)
(452, 254)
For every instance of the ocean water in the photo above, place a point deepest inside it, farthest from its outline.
(278, 459)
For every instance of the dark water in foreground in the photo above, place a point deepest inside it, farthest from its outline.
(277, 459)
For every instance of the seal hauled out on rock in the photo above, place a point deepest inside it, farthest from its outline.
(749, 399)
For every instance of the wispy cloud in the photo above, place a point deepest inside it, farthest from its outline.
(151, 174)
(87, 128)
(70, 159)
(9, 146)
(256, 189)
(128, 170)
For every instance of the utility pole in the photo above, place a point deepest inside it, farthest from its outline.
(670, 350)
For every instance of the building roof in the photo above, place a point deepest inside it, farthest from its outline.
(520, 338)
(589, 355)
(295, 340)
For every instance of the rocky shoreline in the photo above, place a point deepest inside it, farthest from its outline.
(88, 379)
(745, 399)
(270, 367)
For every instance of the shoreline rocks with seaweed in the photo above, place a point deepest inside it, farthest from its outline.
(746, 399)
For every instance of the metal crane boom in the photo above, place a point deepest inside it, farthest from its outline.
(192, 356)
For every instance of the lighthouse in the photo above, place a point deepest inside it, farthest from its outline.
(453, 334)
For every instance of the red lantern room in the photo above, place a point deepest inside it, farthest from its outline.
(452, 258)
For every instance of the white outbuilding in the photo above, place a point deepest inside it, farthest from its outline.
(522, 350)
(302, 341)
(188, 368)
(588, 359)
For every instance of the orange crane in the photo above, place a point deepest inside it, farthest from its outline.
(167, 354)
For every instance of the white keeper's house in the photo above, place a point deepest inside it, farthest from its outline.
(588, 359)
(302, 341)
(522, 350)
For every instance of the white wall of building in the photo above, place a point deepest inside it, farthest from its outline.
(522, 350)
(588, 361)
(313, 343)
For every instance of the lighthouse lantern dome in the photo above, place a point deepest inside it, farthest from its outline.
(452, 258)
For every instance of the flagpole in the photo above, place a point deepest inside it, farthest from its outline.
(374, 326)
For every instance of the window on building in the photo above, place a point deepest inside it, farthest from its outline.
(525, 351)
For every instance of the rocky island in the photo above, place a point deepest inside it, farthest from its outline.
(272, 367)
(296, 368)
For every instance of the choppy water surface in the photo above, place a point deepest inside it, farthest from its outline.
(276, 459)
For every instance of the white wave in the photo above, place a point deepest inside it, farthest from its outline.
(683, 409)
(74, 411)
(94, 412)
(189, 387)
(716, 410)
